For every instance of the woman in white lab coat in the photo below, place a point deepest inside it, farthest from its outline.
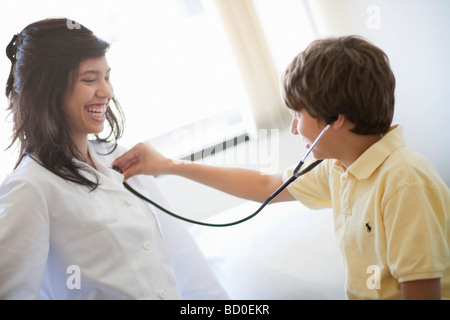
(68, 227)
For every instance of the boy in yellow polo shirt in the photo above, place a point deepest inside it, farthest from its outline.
(391, 208)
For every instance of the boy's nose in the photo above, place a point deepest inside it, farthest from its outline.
(294, 124)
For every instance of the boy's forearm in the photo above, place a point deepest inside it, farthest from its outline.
(243, 183)
(427, 289)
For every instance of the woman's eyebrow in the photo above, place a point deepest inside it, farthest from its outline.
(93, 72)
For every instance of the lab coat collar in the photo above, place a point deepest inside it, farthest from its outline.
(108, 178)
(102, 166)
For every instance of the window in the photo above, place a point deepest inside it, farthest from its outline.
(173, 70)
(175, 76)
(288, 28)
(189, 74)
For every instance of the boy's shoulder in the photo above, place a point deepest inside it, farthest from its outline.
(409, 165)
(405, 168)
(391, 165)
(391, 159)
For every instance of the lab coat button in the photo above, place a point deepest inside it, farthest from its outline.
(147, 245)
(129, 200)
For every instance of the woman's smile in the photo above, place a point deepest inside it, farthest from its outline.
(97, 111)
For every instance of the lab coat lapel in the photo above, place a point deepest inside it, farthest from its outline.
(109, 178)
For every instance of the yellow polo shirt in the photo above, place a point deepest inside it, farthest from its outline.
(391, 217)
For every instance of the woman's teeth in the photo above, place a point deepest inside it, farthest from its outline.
(97, 110)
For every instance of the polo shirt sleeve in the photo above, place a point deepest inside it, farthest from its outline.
(313, 188)
(416, 231)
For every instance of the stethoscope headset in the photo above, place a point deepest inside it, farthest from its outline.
(296, 173)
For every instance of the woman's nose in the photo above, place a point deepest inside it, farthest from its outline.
(105, 90)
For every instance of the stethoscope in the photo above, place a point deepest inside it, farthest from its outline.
(296, 173)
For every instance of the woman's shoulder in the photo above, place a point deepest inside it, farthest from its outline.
(29, 174)
(28, 167)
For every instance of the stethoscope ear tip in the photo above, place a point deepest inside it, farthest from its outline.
(331, 120)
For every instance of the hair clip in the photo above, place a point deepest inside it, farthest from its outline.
(11, 49)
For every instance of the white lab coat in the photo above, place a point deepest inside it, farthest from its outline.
(58, 240)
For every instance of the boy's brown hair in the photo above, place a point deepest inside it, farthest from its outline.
(345, 75)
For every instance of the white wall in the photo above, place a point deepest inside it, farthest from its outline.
(415, 36)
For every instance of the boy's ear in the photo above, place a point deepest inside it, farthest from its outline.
(332, 119)
(338, 121)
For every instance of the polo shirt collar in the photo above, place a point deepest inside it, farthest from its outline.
(373, 157)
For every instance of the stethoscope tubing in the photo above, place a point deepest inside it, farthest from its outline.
(296, 173)
(265, 203)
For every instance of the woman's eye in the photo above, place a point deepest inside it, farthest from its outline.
(88, 80)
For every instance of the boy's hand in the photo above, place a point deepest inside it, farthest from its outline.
(142, 159)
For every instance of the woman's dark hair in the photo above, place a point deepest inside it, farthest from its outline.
(44, 57)
(345, 75)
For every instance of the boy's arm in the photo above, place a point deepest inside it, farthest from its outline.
(415, 224)
(427, 289)
(243, 183)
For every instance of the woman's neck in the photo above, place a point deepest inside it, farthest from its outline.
(82, 146)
